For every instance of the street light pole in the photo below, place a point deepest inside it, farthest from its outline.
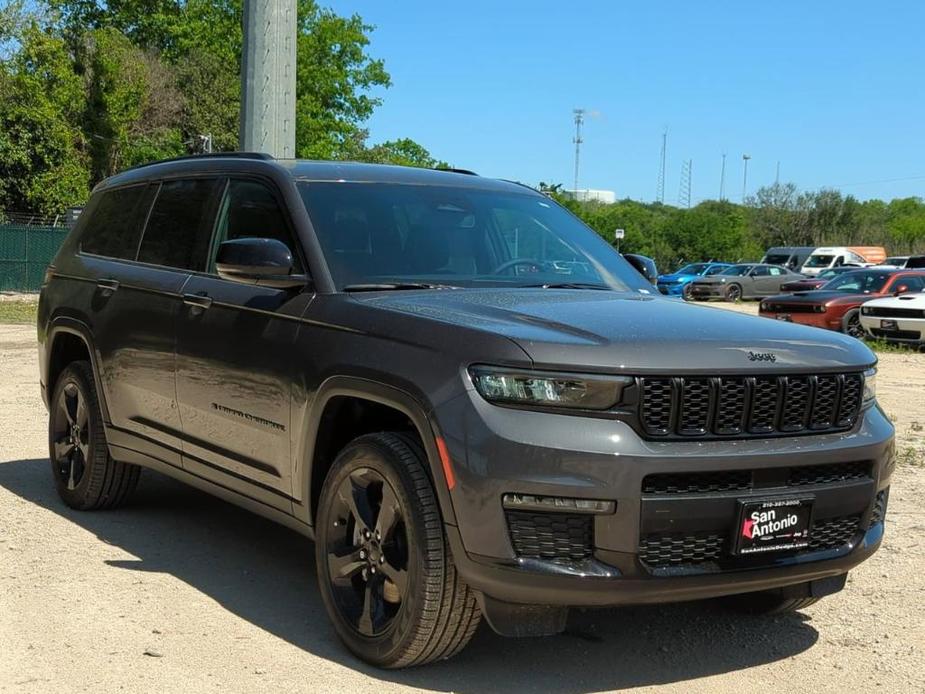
(745, 158)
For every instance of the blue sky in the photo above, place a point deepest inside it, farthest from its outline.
(835, 91)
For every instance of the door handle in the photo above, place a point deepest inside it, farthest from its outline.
(197, 302)
(107, 287)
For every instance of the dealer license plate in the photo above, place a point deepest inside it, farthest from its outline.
(773, 525)
(784, 316)
(889, 325)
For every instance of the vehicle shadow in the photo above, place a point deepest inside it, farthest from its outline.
(233, 556)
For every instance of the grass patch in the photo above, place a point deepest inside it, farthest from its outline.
(911, 456)
(883, 346)
(20, 312)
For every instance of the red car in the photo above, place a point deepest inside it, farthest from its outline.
(837, 305)
(808, 283)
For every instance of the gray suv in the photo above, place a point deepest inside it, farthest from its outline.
(467, 398)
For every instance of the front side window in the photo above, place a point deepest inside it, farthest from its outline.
(385, 233)
(250, 210)
(179, 227)
(114, 228)
(761, 271)
(736, 271)
(912, 283)
(776, 271)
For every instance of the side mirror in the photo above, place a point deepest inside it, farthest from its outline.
(264, 262)
(901, 289)
(644, 265)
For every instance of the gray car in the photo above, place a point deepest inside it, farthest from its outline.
(743, 281)
(468, 400)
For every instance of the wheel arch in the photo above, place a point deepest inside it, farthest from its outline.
(334, 393)
(67, 339)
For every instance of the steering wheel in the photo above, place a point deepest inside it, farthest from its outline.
(507, 265)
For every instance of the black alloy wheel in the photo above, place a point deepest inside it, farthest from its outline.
(367, 552)
(70, 432)
(734, 293)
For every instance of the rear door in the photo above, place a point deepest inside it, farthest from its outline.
(135, 306)
(236, 357)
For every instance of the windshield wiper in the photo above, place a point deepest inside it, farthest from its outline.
(390, 286)
(566, 285)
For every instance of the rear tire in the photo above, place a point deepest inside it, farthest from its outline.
(378, 520)
(85, 475)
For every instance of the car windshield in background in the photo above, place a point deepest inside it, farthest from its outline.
(693, 269)
(398, 236)
(779, 259)
(858, 282)
(737, 270)
(819, 260)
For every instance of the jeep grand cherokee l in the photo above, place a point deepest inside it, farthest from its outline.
(467, 398)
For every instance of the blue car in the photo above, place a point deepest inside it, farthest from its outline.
(678, 283)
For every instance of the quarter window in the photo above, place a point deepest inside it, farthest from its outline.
(180, 225)
(113, 229)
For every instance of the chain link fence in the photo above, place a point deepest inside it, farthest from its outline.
(25, 252)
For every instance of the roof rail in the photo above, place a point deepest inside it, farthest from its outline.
(262, 156)
(459, 171)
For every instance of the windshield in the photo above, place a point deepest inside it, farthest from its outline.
(819, 260)
(693, 269)
(858, 282)
(736, 270)
(409, 235)
(776, 259)
(828, 274)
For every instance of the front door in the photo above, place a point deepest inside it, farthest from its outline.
(237, 361)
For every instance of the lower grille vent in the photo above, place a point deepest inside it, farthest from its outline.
(551, 536)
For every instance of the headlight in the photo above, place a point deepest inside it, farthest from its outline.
(543, 389)
(866, 310)
(819, 309)
(870, 385)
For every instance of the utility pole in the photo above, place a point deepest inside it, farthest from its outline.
(722, 179)
(268, 83)
(660, 185)
(579, 120)
(777, 175)
(745, 158)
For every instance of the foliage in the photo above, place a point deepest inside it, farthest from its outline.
(91, 87)
(23, 312)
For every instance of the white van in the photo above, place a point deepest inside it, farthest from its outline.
(835, 256)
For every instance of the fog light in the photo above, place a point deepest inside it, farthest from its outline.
(531, 502)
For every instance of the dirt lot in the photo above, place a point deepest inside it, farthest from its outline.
(181, 592)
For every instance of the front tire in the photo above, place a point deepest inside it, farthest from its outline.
(734, 293)
(386, 574)
(85, 475)
(852, 325)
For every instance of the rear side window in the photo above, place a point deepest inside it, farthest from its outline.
(179, 227)
(114, 227)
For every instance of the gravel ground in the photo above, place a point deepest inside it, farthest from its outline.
(183, 593)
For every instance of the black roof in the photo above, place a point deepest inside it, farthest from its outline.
(307, 170)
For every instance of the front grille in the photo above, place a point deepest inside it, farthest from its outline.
(897, 334)
(745, 480)
(552, 536)
(683, 407)
(790, 308)
(693, 549)
(878, 515)
(885, 312)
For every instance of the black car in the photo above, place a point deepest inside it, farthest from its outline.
(468, 399)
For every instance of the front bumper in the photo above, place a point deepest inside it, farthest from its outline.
(908, 330)
(676, 289)
(497, 451)
(828, 321)
(708, 291)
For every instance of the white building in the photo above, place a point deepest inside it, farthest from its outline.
(591, 195)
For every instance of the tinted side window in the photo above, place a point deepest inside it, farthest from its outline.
(761, 271)
(114, 227)
(180, 225)
(250, 210)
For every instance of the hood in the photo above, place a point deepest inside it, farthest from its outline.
(916, 301)
(631, 333)
(675, 277)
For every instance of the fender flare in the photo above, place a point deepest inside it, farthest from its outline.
(390, 396)
(75, 326)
